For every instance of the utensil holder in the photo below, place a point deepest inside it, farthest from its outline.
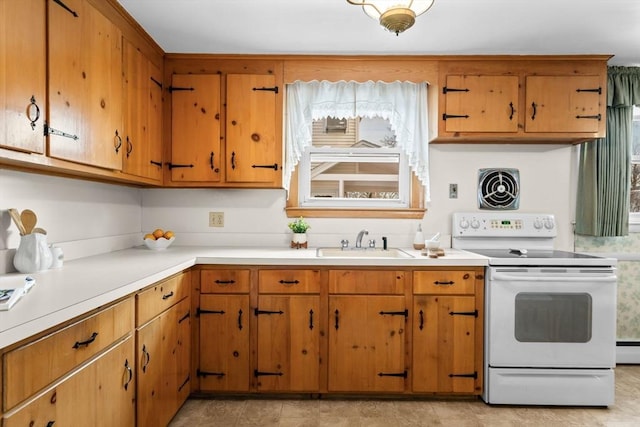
(33, 254)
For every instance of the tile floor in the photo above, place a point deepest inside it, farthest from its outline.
(276, 412)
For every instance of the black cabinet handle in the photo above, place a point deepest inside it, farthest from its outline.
(421, 320)
(147, 358)
(32, 104)
(535, 107)
(117, 142)
(91, 339)
(337, 313)
(129, 147)
(513, 110)
(311, 319)
(240, 319)
(128, 368)
(233, 160)
(167, 296)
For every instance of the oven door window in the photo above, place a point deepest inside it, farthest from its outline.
(553, 317)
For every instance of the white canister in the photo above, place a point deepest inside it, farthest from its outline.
(58, 257)
(33, 254)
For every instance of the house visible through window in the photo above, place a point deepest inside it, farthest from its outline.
(357, 163)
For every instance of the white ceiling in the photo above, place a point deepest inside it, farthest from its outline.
(457, 27)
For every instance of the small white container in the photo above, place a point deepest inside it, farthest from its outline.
(418, 240)
(33, 254)
(58, 257)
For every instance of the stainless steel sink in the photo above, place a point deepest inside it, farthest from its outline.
(361, 253)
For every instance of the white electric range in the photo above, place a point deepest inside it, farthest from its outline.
(550, 316)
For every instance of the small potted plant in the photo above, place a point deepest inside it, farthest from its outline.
(299, 228)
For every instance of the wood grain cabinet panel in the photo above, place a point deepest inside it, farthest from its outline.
(289, 281)
(100, 393)
(30, 368)
(444, 282)
(85, 85)
(224, 281)
(161, 296)
(366, 282)
(23, 76)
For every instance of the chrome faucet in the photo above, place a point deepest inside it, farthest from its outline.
(359, 238)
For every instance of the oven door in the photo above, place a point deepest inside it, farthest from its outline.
(551, 317)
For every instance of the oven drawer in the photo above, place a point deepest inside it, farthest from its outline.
(444, 282)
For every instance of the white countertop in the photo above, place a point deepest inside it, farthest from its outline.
(87, 283)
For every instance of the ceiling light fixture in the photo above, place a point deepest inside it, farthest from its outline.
(394, 15)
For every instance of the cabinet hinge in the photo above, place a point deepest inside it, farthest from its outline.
(452, 89)
(454, 116)
(404, 313)
(185, 317)
(393, 374)
(175, 89)
(257, 373)
(209, 374)
(48, 130)
(67, 8)
(201, 311)
(473, 375)
(156, 82)
(257, 312)
(597, 90)
(175, 166)
(596, 117)
(184, 383)
(464, 313)
(272, 89)
(273, 166)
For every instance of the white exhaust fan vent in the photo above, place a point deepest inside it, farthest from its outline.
(498, 189)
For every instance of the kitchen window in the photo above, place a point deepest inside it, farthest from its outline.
(356, 149)
(634, 214)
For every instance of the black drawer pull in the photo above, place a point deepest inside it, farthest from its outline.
(32, 103)
(289, 282)
(128, 368)
(147, 358)
(240, 319)
(167, 296)
(447, 283)
(257, 373)
(421, 320)
(596, 117)
(224, 282)
(394, 374)
(464, 313)
(86, 343)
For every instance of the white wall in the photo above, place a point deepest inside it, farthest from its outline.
(86, 218)
(257, 217)
(82, 217)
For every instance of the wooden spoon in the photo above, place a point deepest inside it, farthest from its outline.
(15, 216)
(29, 220)
(39, 230)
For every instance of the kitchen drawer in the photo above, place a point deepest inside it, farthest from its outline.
(444, 282)
(31, 367)
(159, 297)
(224, 281)
(366, 282)
(289, 281)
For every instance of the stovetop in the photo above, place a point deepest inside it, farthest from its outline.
(524, 257)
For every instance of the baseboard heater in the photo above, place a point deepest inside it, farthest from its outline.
(628, 352)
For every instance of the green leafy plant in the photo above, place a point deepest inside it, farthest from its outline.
(299, 225)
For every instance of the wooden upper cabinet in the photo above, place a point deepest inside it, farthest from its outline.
(85, 85)
(253, 155)
(23, 75)
(195, 128)
(481, 103)
(142, 135)
(564, 103)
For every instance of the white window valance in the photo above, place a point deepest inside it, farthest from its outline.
(403, 104)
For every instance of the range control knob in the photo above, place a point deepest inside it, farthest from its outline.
(475, 223)
(537, 224)
(464, 224)
(548, 223)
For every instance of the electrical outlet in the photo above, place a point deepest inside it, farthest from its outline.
(453, 191)
(216, 219)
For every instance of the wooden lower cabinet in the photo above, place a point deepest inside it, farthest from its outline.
(366, 343)
(224, 342)
(100, 393)
(443, 344)
(163, 365)
(288, 343)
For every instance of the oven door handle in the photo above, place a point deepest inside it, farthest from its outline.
(578, 278)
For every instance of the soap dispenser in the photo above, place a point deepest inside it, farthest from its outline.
(418, 240)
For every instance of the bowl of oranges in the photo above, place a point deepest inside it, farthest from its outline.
(159, 239)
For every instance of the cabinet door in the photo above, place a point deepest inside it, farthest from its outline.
(563, 103)
(149, 373)
(288, 343)
(443, 344)
(481, 103)
(252, 154)
(176, 360)
(85, 85)
(142, 115)
(195, 128)
(23, 76)
(101, 393)
(224, 343)
(366, 343)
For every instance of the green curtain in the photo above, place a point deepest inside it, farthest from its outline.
(602, 208)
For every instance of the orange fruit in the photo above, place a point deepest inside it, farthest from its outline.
(149, 236)
(158, 233)
(168, 234)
